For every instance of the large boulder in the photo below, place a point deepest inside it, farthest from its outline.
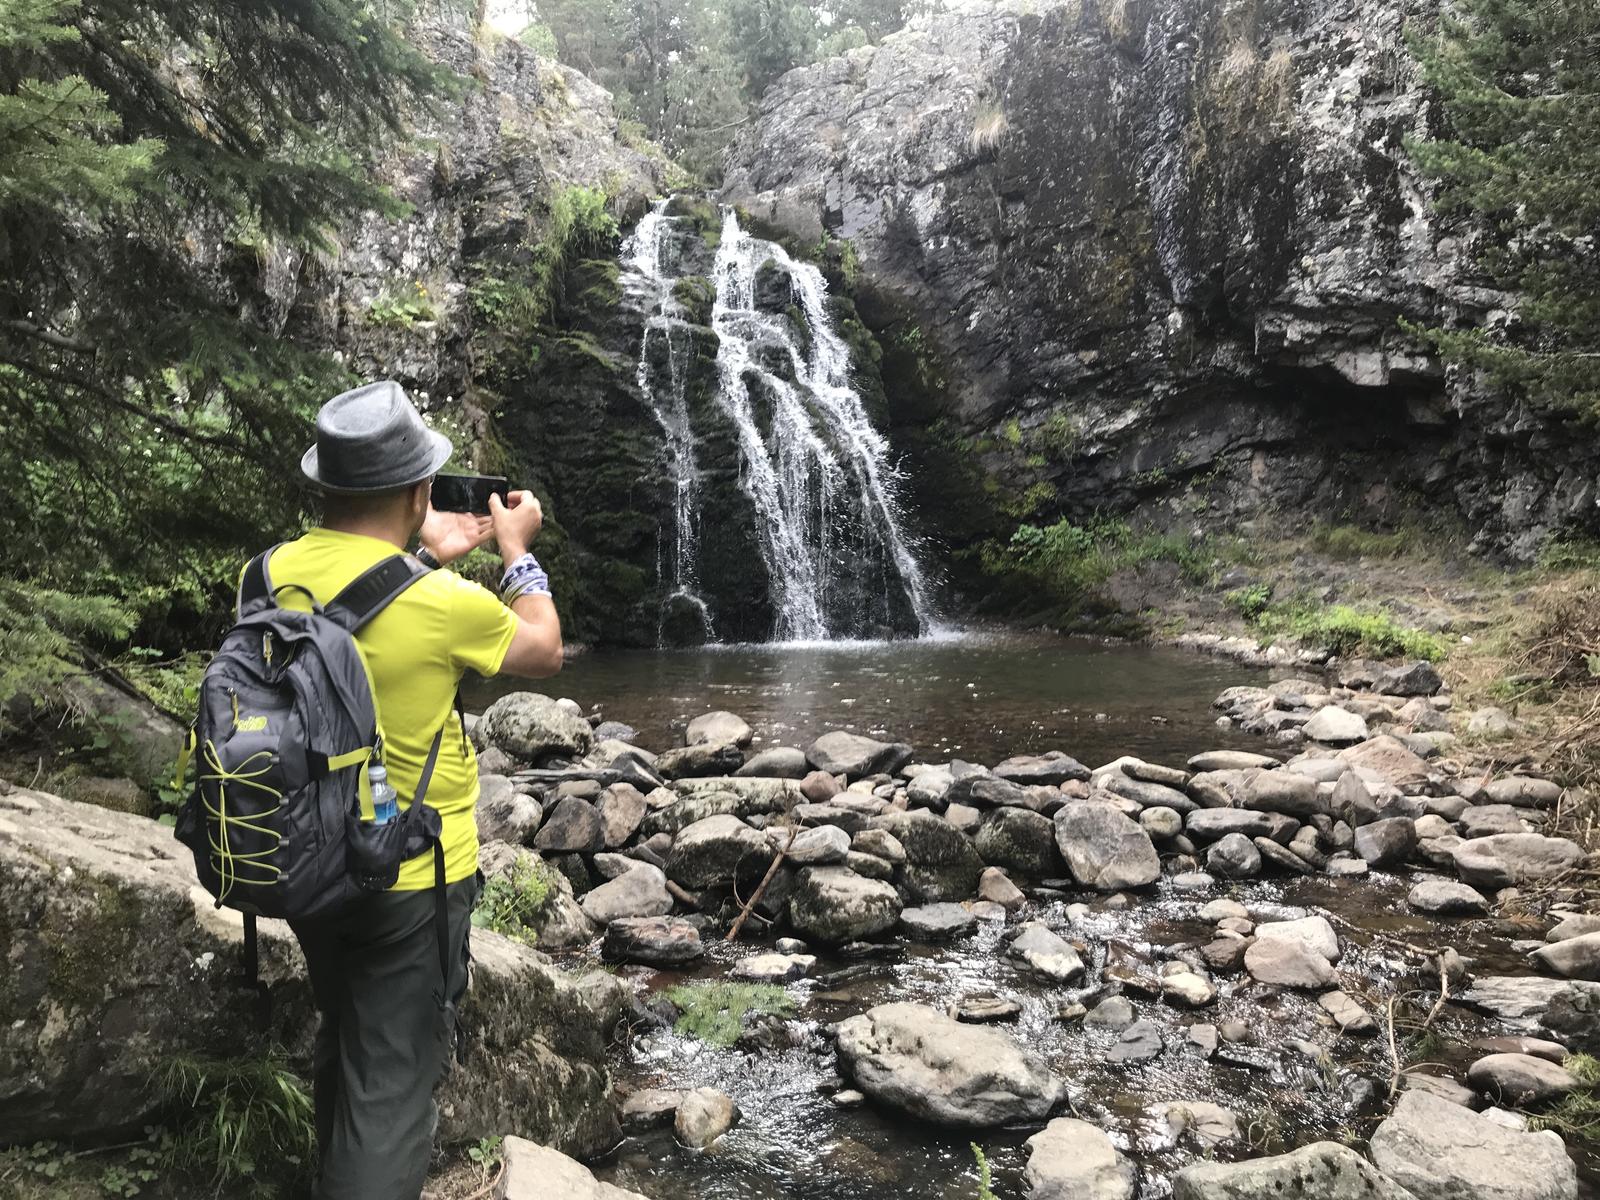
(572, 827)
(1074, 1160)
(641, 892)
(717, 852)
(532, 728)
(841, 753)
(1320, 1171)
(941, 861)
(699, 760)
(1508, 859)
(1386, 759)
(1021, 840)
(935, 1068)
(834, 904)
(1104, 849)
(117, 960)
(1443, 1151)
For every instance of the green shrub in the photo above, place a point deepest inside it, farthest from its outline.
(512, 902)
(402, 307)
(40, 629)
(1067, 561)
(715, 1012)
(1250, 602)
(1343, 630)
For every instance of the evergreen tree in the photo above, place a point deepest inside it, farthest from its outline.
(1520, 83)
(154, 154)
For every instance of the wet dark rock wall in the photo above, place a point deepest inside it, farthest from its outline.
(1152, 257)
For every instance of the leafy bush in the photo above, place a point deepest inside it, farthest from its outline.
(1068, 562)
(512, 902)
(402, 307)
(1250, 602)
(715, 1012)
(40, 629)
(1351, 541)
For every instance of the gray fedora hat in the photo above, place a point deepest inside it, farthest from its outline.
(372, 439)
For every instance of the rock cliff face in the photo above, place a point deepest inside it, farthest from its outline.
(1160, 251)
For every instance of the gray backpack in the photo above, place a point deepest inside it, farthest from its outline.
(279, 819)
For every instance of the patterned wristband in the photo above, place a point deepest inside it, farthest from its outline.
(524, 577)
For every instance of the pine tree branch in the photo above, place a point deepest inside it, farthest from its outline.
(59, 340)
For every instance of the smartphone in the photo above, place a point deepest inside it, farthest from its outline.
(468, 493)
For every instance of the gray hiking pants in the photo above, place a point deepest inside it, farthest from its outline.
(387, 1031)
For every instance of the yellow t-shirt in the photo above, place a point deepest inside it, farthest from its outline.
(417, 649)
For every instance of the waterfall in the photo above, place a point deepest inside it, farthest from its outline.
(647, 279)
(817, 474)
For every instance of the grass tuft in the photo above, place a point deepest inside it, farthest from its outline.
(247, 1119)
(512, 902)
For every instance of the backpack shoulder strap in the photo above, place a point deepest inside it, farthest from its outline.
(373, 591)
(255, 585)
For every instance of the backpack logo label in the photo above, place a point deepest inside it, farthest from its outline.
(251, 724)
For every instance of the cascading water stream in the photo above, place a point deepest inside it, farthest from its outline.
(816, 469)
(647, 279)
(817, 475)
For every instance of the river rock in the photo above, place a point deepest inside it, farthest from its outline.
(1573, 925)
(1286, 792)
(641, 892)
(1409, 679)
(880, 843)
(1486, 820)
(649, 1108)
(1441, 1086)
(819, 846)
(922, 1062)
(1519, 1080)
(1352, 801)
(1188, 990)
(1348, 1013)
(941, 862)
(984, 791)
(1212, 824)
(1050, 769)
(834, 904)
(703, 1116)
(1388, 760)
(1148, 795)
(773, 968)
(1335, 726)
(1162, 824)
(1314, 933)
(1231, 760)
(533, 1172)
(995, 886)
(532, 728)
(718, 728)
(717, 851)
(1234, 857)
(1320, 1171)
(1573, 1015)
(652, 941)
(1046, 953)
(1289, 963)
(1446, 898)
(936, 922)
(622, 809)
(1073, 1160)
(1442, 1151)
(699, 760)
(1512, 997)
(1386, 842)
(573, 826)
(1538, 1047)
(1522, 791)
(929, 788)
(1114, 1012)
(775, 762)
(504, 815)
(1104, 849)
(1139, 1042)
(841, 753)
(1508, 859)
(1021, 841)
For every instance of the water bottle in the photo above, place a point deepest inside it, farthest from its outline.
(385, 800)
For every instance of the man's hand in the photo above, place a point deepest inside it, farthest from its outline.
(450, 535)
(516, 524)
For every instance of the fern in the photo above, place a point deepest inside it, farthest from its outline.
(40, 629)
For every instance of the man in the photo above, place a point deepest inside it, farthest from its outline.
(388, 1022)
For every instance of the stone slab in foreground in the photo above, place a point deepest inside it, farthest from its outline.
(534, 1172)
(115, 960)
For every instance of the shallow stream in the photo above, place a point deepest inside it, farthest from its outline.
(985, 698)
